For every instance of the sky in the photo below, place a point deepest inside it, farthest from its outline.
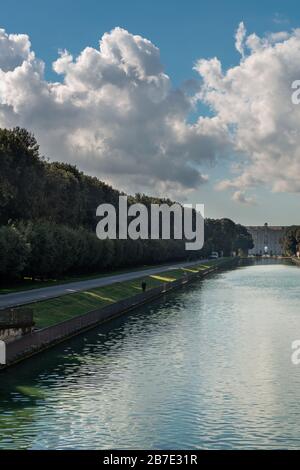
(185, 99)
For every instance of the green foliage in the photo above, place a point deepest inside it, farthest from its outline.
(226, 236)
(52, 311)
(243, 240)
(291, 240)
(21, 172)
(13, 253)
(52, 249)
(53, 209)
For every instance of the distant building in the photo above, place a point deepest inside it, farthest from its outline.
(267, 239)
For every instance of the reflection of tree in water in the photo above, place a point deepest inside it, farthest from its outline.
(29, 389)
(19, 401)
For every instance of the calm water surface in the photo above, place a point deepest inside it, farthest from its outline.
(205, 367)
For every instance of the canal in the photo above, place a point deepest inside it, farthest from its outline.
(206, 367)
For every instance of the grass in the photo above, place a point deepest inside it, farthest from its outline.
(52, 311)
(28, 284)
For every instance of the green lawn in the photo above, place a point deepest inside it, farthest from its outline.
(28, 284)
(52, 311)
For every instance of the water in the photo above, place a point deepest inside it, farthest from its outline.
(206, 367)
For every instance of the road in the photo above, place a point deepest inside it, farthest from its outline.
(34, 295)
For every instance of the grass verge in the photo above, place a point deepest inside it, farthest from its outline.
(28, 284)
(52, 311)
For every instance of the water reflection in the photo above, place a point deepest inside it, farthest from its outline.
(205, 367)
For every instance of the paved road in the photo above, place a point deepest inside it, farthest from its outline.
(26, 297)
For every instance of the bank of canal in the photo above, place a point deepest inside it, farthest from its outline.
(60, 318)
(208, 366)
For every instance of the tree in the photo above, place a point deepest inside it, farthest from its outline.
(291, 240)
(13, 253)
(52, 207)
(21, 176)
(243, 240)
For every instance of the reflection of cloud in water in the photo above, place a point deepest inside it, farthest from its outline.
(205, 367)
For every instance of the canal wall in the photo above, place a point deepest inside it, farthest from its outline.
(15, 323)
(39, 340)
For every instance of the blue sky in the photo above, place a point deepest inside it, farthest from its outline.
(184, 31)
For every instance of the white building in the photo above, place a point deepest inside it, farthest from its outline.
(267, 239)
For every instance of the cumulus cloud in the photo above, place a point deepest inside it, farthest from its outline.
(14, 49)
(253, 101)
(114, 113)
(241, 198)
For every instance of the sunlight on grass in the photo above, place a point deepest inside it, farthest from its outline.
(53, 311)
(163, 279)
(93, 294)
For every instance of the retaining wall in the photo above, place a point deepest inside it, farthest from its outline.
(41, 339)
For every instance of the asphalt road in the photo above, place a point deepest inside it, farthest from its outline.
(29, 296)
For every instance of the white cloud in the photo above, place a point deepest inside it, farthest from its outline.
(115, 113)
(240, 38)
(253, 101)
(241, 198)
(14, 49)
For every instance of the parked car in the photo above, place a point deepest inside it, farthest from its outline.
(214, 255)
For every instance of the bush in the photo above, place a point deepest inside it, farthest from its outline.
(14, 253)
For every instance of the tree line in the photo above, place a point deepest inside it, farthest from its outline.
(48, 219)
(291, 240)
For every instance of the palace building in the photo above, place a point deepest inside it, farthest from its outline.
(267, 239)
